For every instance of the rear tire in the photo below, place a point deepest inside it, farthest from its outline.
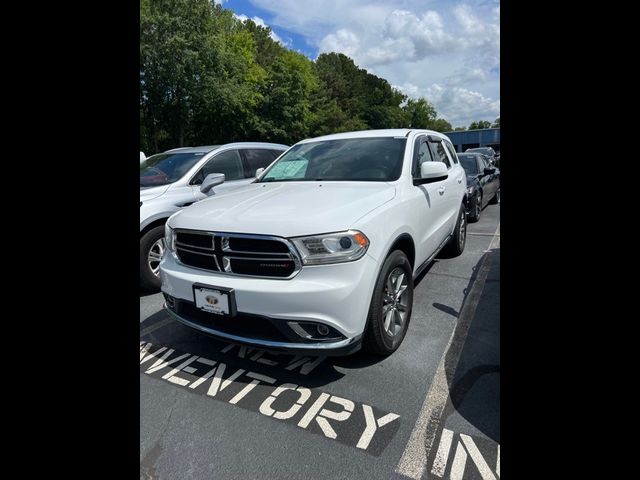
(456, 244)
(148, 279)
(391, 304)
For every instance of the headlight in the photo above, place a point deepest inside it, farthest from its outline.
(169, 238)
(470, 190)
(332, 247)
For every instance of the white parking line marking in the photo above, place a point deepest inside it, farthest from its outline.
(413, 462)
(459, 462)
(440, 463)
(477, 458)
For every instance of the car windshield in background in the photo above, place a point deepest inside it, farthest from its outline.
(166, 168)
(355, 159)
(484, 151)
(468, 163)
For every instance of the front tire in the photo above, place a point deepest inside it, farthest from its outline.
(458, 241)
(390, 309)
(476, 209)
(151, 250)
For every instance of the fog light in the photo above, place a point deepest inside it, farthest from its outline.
(323, 330)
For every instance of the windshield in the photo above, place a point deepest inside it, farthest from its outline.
(354, 159)
(486, 151)
(469, 163)
(166, 168)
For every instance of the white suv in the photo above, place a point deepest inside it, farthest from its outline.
(176, 178)
(319, 254)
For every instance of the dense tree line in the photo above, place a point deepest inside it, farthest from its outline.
(208, 78)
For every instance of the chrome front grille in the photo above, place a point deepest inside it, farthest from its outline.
(237, 253)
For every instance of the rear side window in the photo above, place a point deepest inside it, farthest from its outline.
(452, 151)
(227, 162)
(258, 158)
(440, 154)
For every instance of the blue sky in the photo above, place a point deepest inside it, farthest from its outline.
(447, 51)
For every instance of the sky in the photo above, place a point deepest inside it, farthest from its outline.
(445, 50)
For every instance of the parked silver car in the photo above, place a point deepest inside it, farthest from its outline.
(172, 180)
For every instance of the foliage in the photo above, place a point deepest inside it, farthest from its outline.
(480, 125)
(208, 78)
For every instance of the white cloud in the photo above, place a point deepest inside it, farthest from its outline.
(460, 106)
(447, 51)
(259, 21)
(343, 41)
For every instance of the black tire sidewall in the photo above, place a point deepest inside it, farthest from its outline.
(376, 338)
(147, 279)
(474, 217)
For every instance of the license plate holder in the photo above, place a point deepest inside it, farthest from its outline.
(220, 301)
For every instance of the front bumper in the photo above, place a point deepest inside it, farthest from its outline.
(337, 296)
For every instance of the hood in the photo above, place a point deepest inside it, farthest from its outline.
(286, 209)
(471, 179)
(148, 193)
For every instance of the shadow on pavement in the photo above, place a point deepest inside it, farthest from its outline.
(474, 380)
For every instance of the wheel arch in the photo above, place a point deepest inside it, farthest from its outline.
(153, 224)
(404, 242)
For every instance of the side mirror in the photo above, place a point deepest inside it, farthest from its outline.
(431, 172)
(210, 181)
(489, 170)
(259, 172)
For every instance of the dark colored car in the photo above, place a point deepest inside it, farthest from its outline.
(483, 183)
(494, 158)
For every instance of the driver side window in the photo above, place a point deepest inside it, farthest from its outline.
(421, 154)
(228, 162)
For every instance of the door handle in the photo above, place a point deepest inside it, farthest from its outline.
(441, 190)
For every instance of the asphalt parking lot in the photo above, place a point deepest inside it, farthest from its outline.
(209, 409)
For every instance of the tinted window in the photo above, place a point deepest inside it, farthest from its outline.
(440, 154)
(259, 159)
(227, 162)
(166, 168)
(452, 151)
(353, 159)
(469, 163)
(421, 154)
(482, 162)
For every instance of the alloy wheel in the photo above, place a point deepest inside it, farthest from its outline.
(394, 305)
(155, 255)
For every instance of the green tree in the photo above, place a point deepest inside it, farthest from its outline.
(285, 113)
(496, 124)
(441, 125)
(420, 113)
(207, 78)
(480, 125)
